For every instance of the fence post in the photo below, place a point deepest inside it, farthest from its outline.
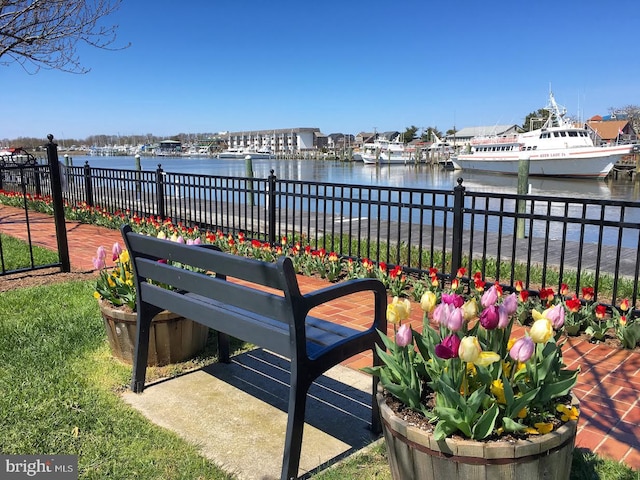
(248, 165)
(271, 205)
(36, 179)
(138, 176)
(458, 227)
(58, 205)
(88, 186)
(160, 192)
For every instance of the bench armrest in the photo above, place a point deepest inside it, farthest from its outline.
(340, 290)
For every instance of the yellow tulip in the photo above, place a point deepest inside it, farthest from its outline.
(398, 310)
(470, 310)
(428, 301)
(541, 330)
(469, 350)
(487, 358)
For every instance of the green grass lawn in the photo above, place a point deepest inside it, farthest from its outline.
(16, 255)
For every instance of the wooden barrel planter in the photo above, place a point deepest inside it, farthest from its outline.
(172, 338)
(414, 454)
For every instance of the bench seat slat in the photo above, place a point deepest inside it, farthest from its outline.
(259, 330)
(251, 270)
(228, 293)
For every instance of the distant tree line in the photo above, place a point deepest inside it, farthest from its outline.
(38, 143)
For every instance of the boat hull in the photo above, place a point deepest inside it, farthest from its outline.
(243, 155)
(595, 162)
(384, 159)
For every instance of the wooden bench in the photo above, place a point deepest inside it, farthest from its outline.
(264, 307)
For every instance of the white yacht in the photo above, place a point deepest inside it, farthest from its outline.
(558, 149)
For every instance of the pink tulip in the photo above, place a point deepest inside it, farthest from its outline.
(490, 297)
(452, 299)
(556, 315)
(440, 313)
(99, 262)
(404, 335)
(510, 304)
(522, 349)
(116, 250)
(454, 320)
(503, 317)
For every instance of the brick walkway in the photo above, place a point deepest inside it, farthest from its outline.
(608, 386)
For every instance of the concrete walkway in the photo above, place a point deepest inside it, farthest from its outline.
(608, 387)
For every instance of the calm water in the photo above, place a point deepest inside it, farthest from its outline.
(423, 176)
(357, 173)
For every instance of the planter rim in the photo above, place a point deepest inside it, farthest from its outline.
(477, 451)
(126, 316)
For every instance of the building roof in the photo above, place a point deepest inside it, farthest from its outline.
(609, 130)
(470, 132)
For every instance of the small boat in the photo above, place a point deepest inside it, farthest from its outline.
(440, 151)
(231, 153)
(384, 151)
(241, 153)
(558, 149)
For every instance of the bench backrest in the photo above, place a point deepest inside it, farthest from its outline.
(198, 276)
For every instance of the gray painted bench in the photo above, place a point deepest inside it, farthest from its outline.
(275, 318)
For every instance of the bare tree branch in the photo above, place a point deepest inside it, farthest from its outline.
(46, 33)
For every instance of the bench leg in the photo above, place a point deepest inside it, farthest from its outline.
(145, 315)
(376, 424)
(295, 426)
(223, 347)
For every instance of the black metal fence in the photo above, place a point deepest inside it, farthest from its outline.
(542, 241)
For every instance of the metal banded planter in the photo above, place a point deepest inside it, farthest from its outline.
(414, 454)
(172, 338)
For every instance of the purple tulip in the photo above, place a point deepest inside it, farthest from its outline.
(489, 317)
(522, 349)
(449, 347)
(510, 304)
(490, 297)
(404, 335)
(453, 299)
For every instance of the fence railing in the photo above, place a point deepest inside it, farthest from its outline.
(20, 172)
(542, 241)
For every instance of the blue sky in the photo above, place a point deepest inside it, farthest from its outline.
(342, 66)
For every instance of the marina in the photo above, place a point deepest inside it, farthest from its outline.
(357, 173)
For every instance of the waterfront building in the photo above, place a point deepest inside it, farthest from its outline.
(612, 130)
(284, 140)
